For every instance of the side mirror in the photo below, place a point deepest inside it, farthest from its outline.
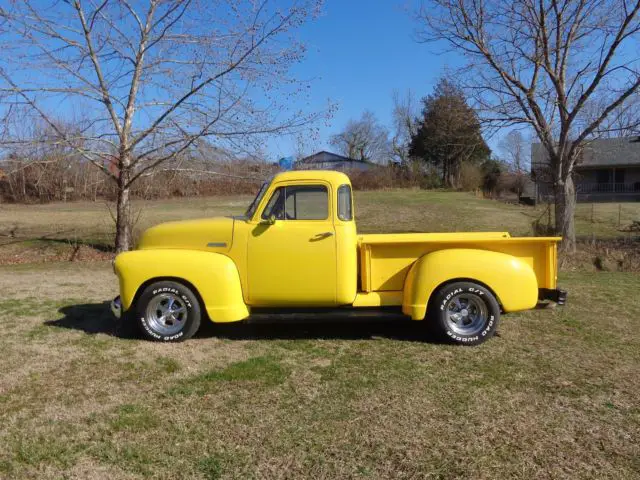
(269, 221)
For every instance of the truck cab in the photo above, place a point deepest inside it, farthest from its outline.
(301, 242)
(297, 247)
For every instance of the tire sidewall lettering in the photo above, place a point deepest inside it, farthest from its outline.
(448, 297)
(459, 338)
(153, 333)
(489, 325)
(175, 291)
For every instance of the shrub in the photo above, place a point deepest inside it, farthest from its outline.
(491, 171)
(471, 177)
(64, 179)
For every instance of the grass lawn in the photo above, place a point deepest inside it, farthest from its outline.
(37, 226)
(554, 395)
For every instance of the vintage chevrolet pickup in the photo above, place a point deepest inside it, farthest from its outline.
(296, 248)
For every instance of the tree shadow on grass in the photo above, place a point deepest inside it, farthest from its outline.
(96, 318)
(100, 246)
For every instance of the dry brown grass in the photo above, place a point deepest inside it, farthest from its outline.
(555, 395)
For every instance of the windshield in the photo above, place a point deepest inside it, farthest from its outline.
(256, 201)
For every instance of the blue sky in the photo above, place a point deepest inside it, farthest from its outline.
(360, 52)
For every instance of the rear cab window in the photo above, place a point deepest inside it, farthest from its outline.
(345, 206)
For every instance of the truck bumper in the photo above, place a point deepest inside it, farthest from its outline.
(555, 295)
(116, 307)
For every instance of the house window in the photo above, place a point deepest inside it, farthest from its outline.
(603, 176)
(619, 175)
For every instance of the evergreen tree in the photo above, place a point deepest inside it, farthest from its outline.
(448, 133)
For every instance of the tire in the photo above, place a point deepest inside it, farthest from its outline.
(464, 313)
(168, 312)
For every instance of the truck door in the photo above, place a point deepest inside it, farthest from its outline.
(292, 255)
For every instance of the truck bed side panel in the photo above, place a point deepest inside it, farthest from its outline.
(386, 259)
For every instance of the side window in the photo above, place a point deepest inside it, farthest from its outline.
(345, 210)
(275, 205)
(304, 202)
(308, 202)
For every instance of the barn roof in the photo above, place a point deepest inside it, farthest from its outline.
(324, 156)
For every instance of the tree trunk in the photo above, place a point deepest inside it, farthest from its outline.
(451, 179)
(24, 184)
(444, 173)
(123, 214)
(454, 174)
(565, 194)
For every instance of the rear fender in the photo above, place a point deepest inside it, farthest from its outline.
(213, 275)
(512, 280)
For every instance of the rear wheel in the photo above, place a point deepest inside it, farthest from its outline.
(464, 313)
(168, 311)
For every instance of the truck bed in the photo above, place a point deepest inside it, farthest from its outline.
(385, 259)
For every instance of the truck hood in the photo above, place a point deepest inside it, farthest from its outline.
(208, 234)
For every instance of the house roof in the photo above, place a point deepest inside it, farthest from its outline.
(324, 156)
(604, 152)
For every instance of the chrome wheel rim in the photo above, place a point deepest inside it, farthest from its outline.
(166, 314)
(466, 314)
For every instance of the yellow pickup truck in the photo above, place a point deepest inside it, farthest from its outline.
(296, 248)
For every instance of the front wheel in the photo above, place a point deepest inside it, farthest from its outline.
(464, 313)
(168, 312)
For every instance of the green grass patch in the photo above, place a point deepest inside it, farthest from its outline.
(309, 347)
(38, 332)
(96, 343)
(211, 467)
(6, 467)
(128, 456)
(33, 306)
(134, 418)
(265, 371)
(34, 450)
(168, 365)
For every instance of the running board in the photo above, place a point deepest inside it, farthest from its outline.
(328, 314)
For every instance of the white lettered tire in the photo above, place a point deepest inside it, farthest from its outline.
(168, 311)
(464, 313)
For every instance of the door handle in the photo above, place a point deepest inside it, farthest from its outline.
(322, 235)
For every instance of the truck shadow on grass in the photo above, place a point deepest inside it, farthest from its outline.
(93, 318)
(96, 318)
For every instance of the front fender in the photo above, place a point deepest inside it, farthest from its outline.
(511, 279)
(214, 275)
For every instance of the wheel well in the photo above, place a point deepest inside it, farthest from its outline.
(455, 280)
(184, 282)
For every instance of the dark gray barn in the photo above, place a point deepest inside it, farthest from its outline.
(331, 161)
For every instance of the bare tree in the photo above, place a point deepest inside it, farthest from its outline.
(542, 63)
(305, 145)
(405, 125)
(153, 77)
(622, 122)
(516, 152)
(364, 139)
